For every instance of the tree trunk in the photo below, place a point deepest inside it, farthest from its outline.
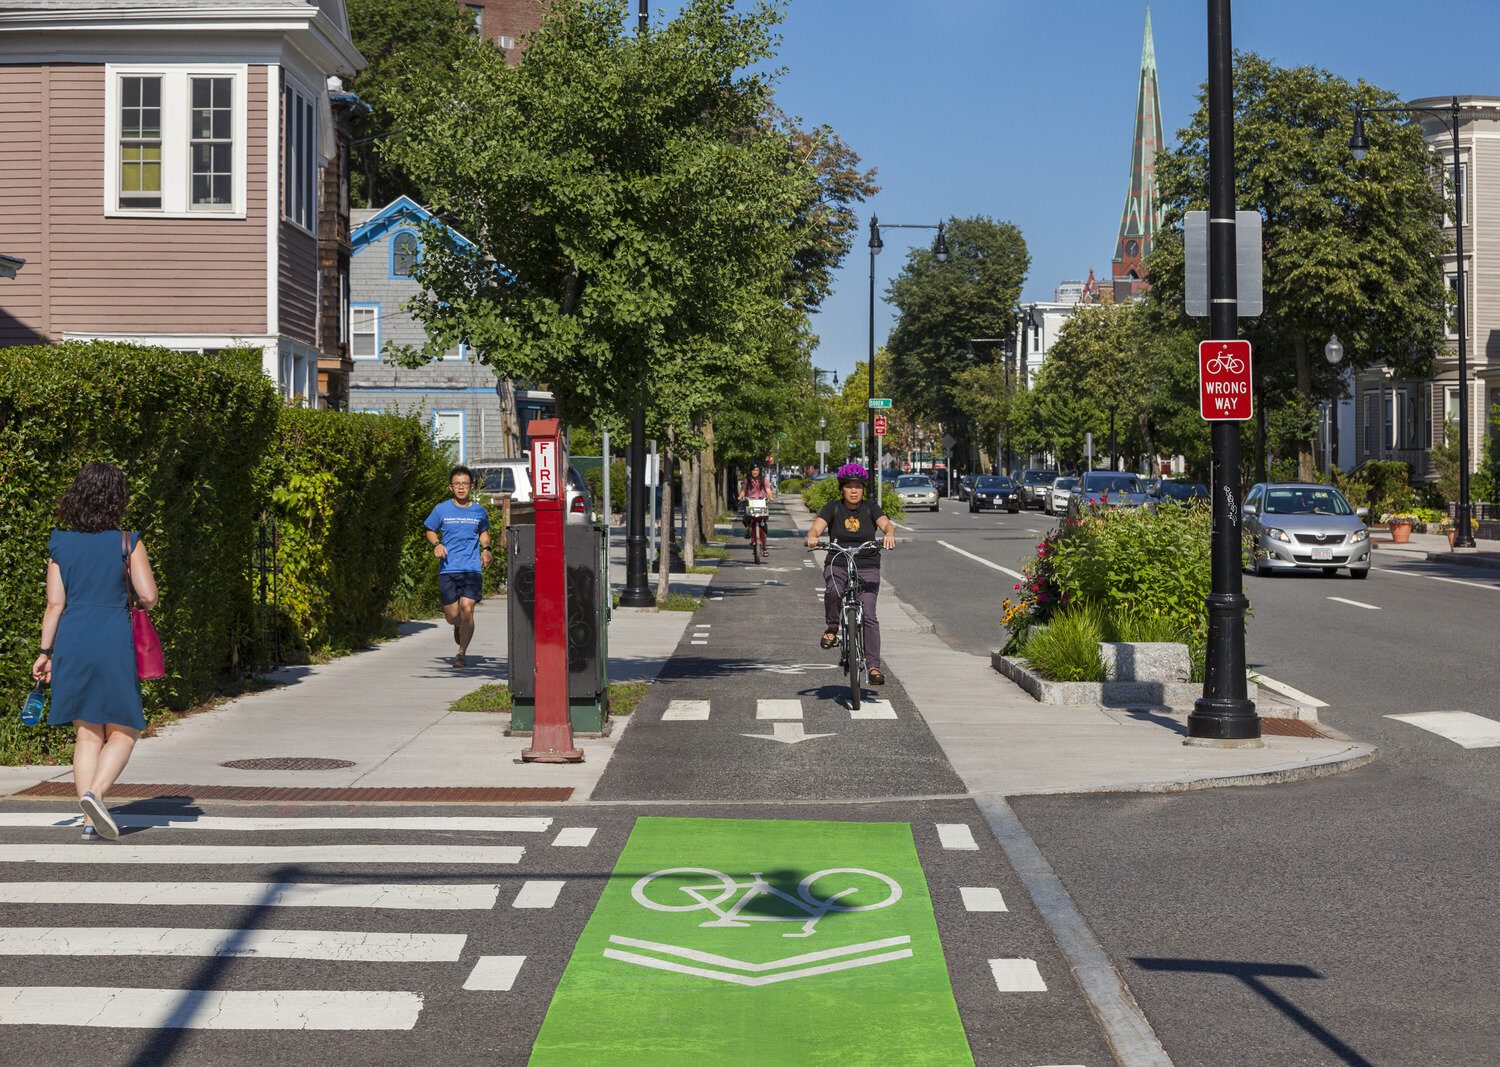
(691, 488)
(709, 504)
(1306, 472)
(1150, 445)
(664, 538)
(1260, 436)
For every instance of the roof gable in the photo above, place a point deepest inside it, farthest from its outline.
(403, 211)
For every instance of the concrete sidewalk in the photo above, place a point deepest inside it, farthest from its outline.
(1001, 741)
(1433, 548)
(386, 710)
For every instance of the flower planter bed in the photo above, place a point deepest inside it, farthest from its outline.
(1111, 694)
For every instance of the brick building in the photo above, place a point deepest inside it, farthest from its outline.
(506, 22)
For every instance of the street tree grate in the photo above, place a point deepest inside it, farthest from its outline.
(288, 763)
(1290, 728)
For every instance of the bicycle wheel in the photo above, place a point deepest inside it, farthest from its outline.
(853, 892)
(854, 627)
(700, 901)
(756, 544)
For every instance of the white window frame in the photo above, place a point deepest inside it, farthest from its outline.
(299, 156)
(459, 412)
(176, 154)
(1450, 404)
(375, 316)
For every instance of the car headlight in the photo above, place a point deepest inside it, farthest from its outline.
(1272, 532)
(1359, 535)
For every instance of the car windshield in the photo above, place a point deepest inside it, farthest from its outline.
(992, 482)
(1306, 500)
(914, 481)
(1110, 483)
(1185, 490)
(1039, 477)
(1065, 483)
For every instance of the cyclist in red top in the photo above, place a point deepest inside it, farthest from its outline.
(756, 486)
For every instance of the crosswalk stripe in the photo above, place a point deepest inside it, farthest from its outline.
(538, 894)
(1461, 727)
(1017, 976)
(350, 946)
(209, 1009)
(256, 894)
(575, 837)
(685, 711)
(270, 855)
(222, 822)
(495, 972)
(778, 709)
(982, 898)
(956, 835)
(873, 708)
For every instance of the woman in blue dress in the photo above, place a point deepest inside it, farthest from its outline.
(87, 652)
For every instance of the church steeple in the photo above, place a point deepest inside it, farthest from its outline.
(1142, 214)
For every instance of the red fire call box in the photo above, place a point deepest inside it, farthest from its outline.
(1224, 380)
(879, 425)
(546, 463)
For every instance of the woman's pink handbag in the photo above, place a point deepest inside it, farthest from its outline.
(149, 662)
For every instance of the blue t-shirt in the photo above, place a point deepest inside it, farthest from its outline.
(458, 529)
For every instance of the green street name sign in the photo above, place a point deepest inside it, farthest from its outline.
(878, 402)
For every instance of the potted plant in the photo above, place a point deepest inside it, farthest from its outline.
(1450, 529)
(1400, 523)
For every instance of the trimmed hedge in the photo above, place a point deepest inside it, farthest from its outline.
(817, 494)
(188, 432)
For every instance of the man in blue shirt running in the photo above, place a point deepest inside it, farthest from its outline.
(459, 530)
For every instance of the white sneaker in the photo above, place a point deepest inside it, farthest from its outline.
(95, 809)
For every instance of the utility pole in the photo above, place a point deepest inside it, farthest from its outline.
(1223, 717)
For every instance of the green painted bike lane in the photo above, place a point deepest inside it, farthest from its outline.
(765, 941)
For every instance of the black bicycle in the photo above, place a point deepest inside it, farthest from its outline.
(851, 616)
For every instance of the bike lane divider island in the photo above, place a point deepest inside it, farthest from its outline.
(803, 882)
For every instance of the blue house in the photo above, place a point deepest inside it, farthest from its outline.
(465, 403)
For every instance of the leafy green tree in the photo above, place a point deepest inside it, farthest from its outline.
(942, 305)
(407, 43)
(1351, 246)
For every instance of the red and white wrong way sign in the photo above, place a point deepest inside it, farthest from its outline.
(1224, 380)
(879, 425)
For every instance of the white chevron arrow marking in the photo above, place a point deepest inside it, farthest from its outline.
(788, 733)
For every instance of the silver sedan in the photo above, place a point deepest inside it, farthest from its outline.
(917, 491)
(1303, 527)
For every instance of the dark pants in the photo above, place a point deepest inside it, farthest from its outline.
(834, 579)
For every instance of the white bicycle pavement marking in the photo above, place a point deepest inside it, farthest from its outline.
(956, 835)
(778, 709)
(575, 837)
(209, 1009)
(350, 946)
(1461, 727)
(496, 973)
(256, 894)
(538, 893)
(788, 733)
(685, 711)
(982, 898)
(872, 708)
(1017, 976)
(1355, 603)
(271, 855)
(980, 559)
(270, 825)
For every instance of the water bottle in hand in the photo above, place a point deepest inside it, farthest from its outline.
(36, 703)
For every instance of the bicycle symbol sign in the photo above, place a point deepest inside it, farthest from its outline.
(1225, 391)
(716, 894)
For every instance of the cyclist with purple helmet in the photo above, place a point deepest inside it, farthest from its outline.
(851, 520)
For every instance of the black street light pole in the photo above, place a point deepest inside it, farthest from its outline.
(940, 250)
(637, 593)
(1359, 144)
(1223, 716)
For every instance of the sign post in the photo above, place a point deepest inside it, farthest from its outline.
(552, 731)
(879, 450)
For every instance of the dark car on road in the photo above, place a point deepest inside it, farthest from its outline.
(966, 486)
(1115, 489)
(1034, 485)
(1183, 494)
(994, 491)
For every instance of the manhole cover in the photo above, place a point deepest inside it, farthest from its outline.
(287, 763)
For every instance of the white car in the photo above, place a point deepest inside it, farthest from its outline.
(1057, 496)
(512, 477)
(917, 491)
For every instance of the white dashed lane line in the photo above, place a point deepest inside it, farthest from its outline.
(982, 898)
(1355, 603)
(980, 559)
(956, 835)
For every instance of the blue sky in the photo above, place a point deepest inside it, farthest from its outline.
(1023, 110)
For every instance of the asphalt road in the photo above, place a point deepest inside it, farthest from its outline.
(1344, 920)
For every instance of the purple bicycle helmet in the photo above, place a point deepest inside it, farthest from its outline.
(852, 472)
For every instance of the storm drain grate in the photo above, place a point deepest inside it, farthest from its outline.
(288, 763)
(1289, 728)
(370, 794)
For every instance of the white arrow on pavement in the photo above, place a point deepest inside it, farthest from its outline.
(788, 733)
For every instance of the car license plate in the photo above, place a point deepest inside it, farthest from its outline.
(1322, 553)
